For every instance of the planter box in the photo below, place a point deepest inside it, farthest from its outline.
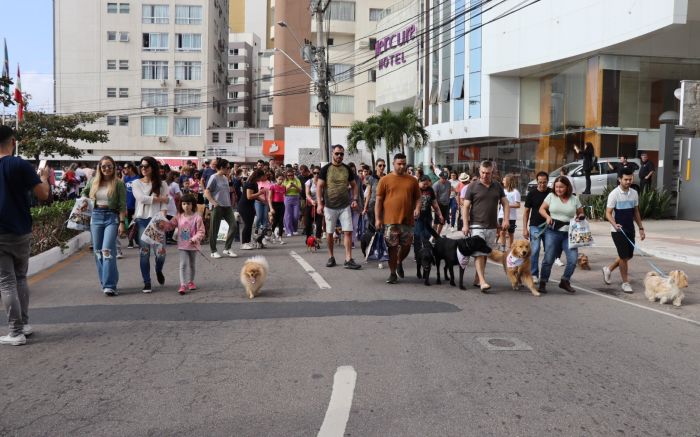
(51, 257)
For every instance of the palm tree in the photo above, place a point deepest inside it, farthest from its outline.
(391, 132)
(412, 127)
(368, 131)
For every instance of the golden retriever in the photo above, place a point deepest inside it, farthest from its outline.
(253, 275)
(517, 265)
(668, 289)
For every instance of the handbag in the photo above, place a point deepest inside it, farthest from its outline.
(80, 215)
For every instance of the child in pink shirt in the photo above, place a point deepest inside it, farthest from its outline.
(276, 202)
(190, 234)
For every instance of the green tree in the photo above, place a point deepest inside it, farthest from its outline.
(412, 129)
(5, 96)
(49, 134)
(391, 132)
(368, 131)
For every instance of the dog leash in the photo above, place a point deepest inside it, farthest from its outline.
(540, 232)
(653, 266)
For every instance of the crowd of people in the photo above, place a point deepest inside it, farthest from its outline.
(276, 202)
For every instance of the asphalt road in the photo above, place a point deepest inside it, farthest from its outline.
(214, 363)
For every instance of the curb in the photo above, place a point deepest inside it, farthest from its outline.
(53, 256)
(672, 256)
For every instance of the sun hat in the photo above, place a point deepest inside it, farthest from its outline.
(463, 177)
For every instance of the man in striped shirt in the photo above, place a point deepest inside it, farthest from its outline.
(622, 212)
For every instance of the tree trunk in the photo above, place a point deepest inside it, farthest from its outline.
(373, 163)
(388, 167)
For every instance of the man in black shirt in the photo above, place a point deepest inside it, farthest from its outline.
(646, 172)
(532, 217)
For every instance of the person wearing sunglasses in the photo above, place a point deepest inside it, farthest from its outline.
(108, 194)
(335, 204)
(151, 195)
(311, 216)
(371, 194)
(291, 203)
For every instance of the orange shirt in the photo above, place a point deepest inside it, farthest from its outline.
(399, 197)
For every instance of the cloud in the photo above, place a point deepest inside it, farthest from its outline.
(40, 86)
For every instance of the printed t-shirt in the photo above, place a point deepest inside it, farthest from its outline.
(336, 178)
(427, 197)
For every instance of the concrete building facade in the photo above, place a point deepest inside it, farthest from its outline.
(157, 70)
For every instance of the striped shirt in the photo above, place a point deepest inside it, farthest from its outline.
(623, 204)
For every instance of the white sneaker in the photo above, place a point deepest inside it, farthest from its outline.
(247, 246)
(27, 330)
(295, 233)
(289, 235)
(120, 255)
(606, 275)
(279, 240)
(17, 340)
(558, 263)
(215, 255)
(627, 288)
(229, 253)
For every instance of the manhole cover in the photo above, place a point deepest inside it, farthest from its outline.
(503, 344)
(499, 342)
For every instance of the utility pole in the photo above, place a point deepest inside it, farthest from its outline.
(323, 107)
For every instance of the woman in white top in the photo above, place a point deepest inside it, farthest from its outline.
(513, 196)
(151, 196)
(312, 217)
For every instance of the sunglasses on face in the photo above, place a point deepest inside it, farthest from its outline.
(144, 166)
(381, 165)
(107, 167)
(316, 173)
(339, 154)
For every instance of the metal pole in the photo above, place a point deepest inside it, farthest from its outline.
(323, 106)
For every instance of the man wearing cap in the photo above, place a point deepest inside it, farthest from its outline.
(463, 183)
(442, 189)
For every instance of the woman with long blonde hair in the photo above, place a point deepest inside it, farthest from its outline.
(108, 194)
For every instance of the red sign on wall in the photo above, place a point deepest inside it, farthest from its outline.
(469, 153)
(273, 148)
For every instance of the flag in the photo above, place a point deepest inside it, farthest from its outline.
(18, 98)
(6, 71)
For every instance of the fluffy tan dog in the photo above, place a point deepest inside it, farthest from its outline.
(517, 265)
(666, 289)
(253, 275)
(583, 262)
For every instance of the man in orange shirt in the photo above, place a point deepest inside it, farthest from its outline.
(396, 209)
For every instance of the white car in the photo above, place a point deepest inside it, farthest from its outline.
(602, 175)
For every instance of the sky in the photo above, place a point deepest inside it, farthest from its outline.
(28, 28)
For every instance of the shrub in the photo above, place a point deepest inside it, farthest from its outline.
(655, 204)
(49, 226)
(594, 205)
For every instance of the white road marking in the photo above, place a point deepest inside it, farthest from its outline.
(338, 411)
(322, 284)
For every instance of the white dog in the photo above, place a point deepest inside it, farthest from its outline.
(666, 289)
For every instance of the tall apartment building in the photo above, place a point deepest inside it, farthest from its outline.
(158, 70)
(252, 16)
(513, 81)
(243, 71)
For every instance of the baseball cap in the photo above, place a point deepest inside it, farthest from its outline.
(463, 177)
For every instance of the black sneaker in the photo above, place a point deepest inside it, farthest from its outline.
(147, 287)
(352, 265)
(331, 262)
(161, 278)
(392, 279)
(131, 245)
(399, 270)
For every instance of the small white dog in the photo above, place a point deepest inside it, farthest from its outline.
(666, 289)
(253, 275)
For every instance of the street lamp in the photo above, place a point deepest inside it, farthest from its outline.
(277, 49)
(286, 26)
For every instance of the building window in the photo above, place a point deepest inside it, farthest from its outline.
(375, 14)
(341, 10)
(112, 8)
(157, 70)
(111, 35)
(232, 109)
(155, 14)
(187, 127)
(187, 97)
(124, 36)
(123, 8)
(123, 64)
(111, 120)
(111, 64)
(342, 72)
(475, 61)
(111, 92)
(266, 108)
(154, 126)
(229, 137)
(188, 42)
(155, 42)
(123, 120)
(188, 70)
(153, 97)
(123, 92)
(256, 140)
(371, 106)
(188, 14)
(214, 137)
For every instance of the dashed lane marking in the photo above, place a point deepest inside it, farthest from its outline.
(338, 411)
(322, 284)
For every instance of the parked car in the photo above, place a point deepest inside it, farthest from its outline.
(602, 175)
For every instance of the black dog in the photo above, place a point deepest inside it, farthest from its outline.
(366, 238)
(260, 236)
(424, 259)
(446, 249)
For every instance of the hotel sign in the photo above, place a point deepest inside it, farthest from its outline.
(394, 41)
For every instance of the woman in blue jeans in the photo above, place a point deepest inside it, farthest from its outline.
(108, 194)
(151, 194)
(558, 209)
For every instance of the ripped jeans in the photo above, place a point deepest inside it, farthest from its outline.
(145, 252)
(104, 227)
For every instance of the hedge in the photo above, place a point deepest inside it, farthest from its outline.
(49, 226)
(653, 204)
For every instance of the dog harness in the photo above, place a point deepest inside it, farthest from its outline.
(463, 260)
(513, 261)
